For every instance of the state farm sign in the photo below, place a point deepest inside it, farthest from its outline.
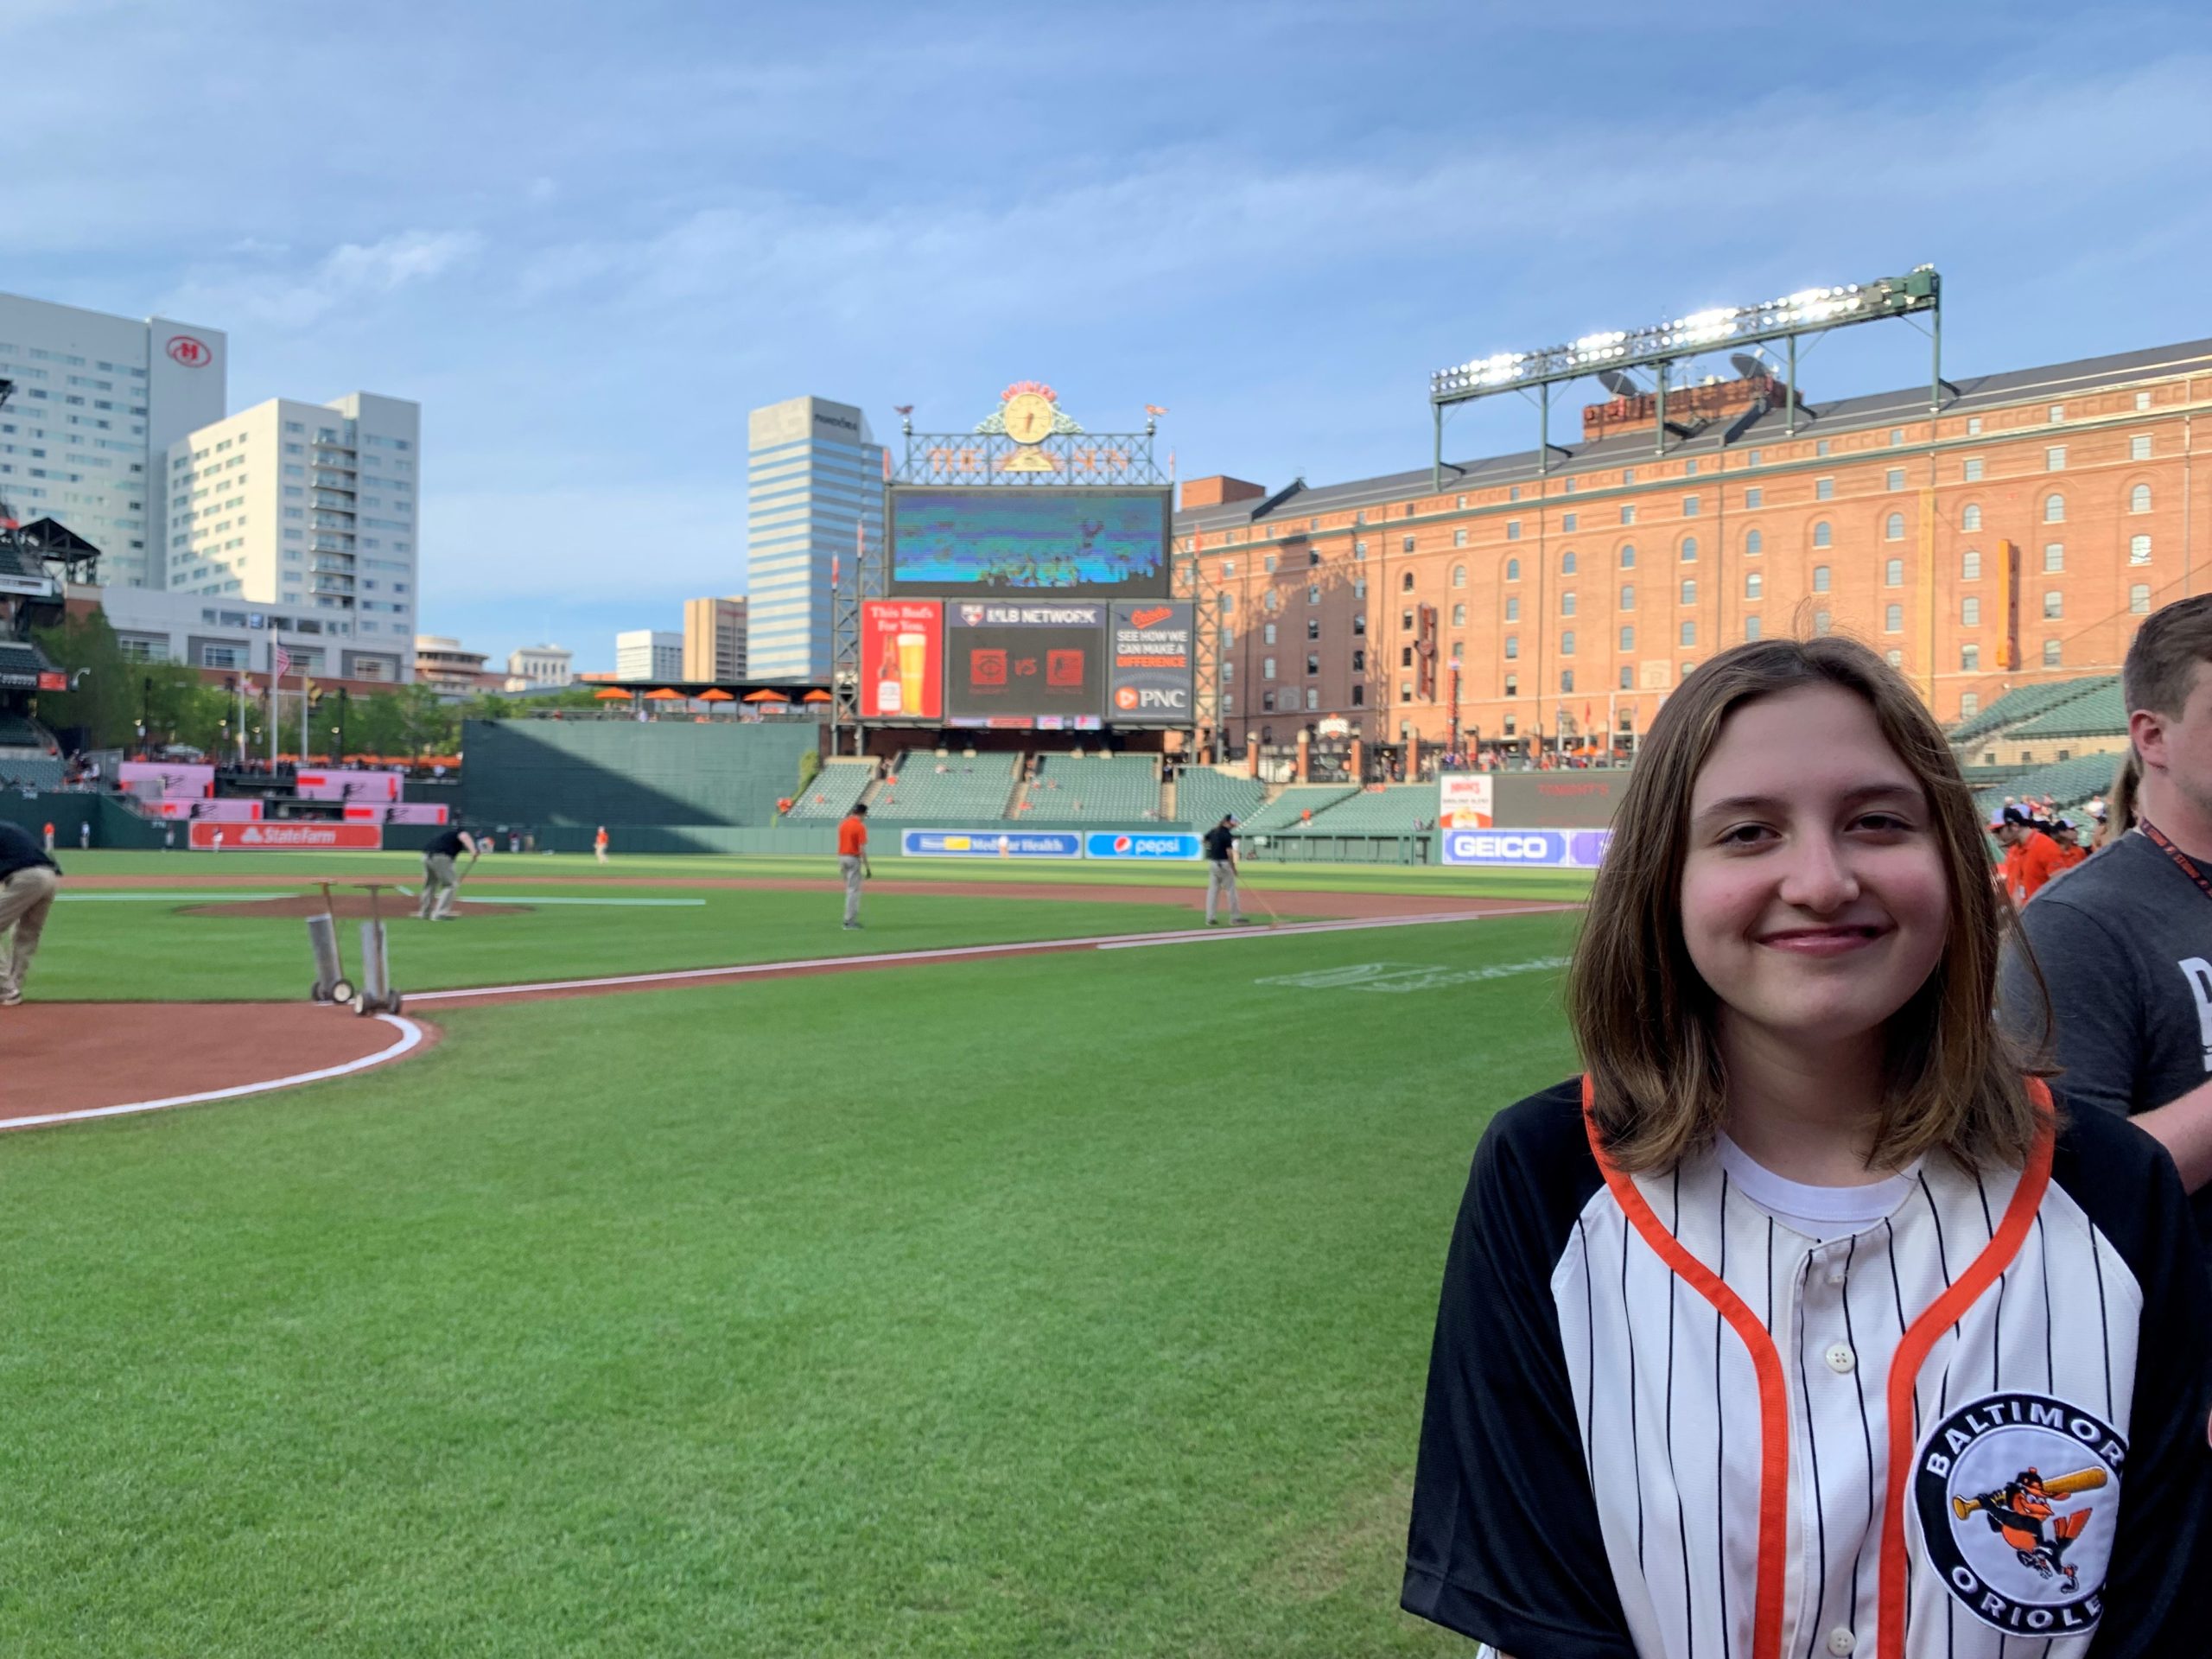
(287, 837)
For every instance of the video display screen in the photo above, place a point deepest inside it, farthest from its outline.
(1082, 543)
(1025, 660)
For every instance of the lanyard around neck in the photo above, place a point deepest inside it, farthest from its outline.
(2187, 866)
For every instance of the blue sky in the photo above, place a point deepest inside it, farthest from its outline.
(589, 238)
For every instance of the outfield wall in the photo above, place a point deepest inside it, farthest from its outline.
(664, 775)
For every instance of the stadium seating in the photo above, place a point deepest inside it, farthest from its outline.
(927, 785)
(2023, 703)
(1394, 809)
(2101, 712)
(1095, 789)
(21, 732)
(2067, 782)
(30, 767)
(1286, 810)
(1203, 795)
(835, 791)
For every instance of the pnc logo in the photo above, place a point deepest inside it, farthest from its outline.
(193, 352)
(1150, 615)
(1126, 697)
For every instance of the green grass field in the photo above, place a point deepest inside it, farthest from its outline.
(1075, 1304)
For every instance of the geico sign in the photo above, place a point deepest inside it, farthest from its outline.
(1535, 848)
(1131, 698)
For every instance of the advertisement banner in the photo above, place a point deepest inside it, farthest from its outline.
(287, 837)
(348, 785)
(1153, 663)
(1466, 800)
(902, 659)
(1552, 849)
(1014, 660)
(1106, 843)
(161, 780)
(990, 843)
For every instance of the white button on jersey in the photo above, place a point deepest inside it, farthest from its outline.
(1841, 1359)
(1841, 1642)
(1837, 1272)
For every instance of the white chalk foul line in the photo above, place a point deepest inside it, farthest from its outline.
(953, 953)
(410, 1036)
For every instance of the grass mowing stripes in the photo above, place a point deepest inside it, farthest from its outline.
(1078, 1304)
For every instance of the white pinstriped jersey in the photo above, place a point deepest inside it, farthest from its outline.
(1662, 1424)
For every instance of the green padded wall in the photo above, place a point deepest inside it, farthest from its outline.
(546, 773)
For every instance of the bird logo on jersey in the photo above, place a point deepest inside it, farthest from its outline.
(2024, 1551)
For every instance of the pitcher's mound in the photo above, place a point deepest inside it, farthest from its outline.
(349, 907)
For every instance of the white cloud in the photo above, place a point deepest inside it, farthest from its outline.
(349, 274)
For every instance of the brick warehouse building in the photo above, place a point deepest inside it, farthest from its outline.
(2016, 536)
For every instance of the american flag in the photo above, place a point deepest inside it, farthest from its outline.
(281, 664)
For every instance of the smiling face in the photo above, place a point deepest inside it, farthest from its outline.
(1814, 899)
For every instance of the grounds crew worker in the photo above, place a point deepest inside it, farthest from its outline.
(440, 885)
(1221, 869)
(852, 862)
(29, 880)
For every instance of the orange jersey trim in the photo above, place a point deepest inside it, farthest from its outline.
(1919, 1340)
(1766, 1362)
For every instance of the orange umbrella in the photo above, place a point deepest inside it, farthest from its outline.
(611, 694)
(765, 696)
(816, 695)
(716, 694)
(664, 694)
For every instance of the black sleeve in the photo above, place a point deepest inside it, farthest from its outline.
(2096, 1002)
(1505, 1545)
(2159, 1588)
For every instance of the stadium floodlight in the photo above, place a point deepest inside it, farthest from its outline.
(1609, 353)
(1805, 311)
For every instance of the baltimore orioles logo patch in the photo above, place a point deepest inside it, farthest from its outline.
(2018, 1497)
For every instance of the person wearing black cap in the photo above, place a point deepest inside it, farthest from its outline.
(2031, 858)
(1221, 870)
(29, 880)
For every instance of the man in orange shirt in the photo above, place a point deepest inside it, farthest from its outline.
(2069, 837)
(2031, 858)
(852, 862)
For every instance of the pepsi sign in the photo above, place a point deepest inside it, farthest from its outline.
(1109, 843)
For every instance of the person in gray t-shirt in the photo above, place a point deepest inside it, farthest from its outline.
(2124, 941)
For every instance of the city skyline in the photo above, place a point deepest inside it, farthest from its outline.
(1277, 230)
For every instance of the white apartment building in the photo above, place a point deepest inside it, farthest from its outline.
(311, 506)
(649, 654)
(98, 401)
(540, 665)
(814, 483)
(235, 634)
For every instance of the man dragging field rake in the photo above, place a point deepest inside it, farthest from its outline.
(1221, 870)
(29, 880)
(441, 886)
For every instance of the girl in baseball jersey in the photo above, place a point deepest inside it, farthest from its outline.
(1806, 1321)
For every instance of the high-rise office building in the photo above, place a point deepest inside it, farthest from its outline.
(531, 666)
(648, 654)
(814, 484)
(99, 400)
(311, 506)
(714, 638)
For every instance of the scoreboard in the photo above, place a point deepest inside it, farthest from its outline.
(1031, 608)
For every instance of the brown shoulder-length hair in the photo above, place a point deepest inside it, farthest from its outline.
(1647, 1021)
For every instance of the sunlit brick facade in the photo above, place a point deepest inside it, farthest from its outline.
(1574, 600)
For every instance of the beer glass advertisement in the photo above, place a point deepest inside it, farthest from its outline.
(982, 543)
(1152, 664)
(902, 660)
(1025, 660)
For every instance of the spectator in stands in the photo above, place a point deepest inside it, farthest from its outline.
(2117, 817)
(852, 862)
(2030, 857)
(2071, 851)
(1221, 870)
(2124, 996)
(28, 880)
